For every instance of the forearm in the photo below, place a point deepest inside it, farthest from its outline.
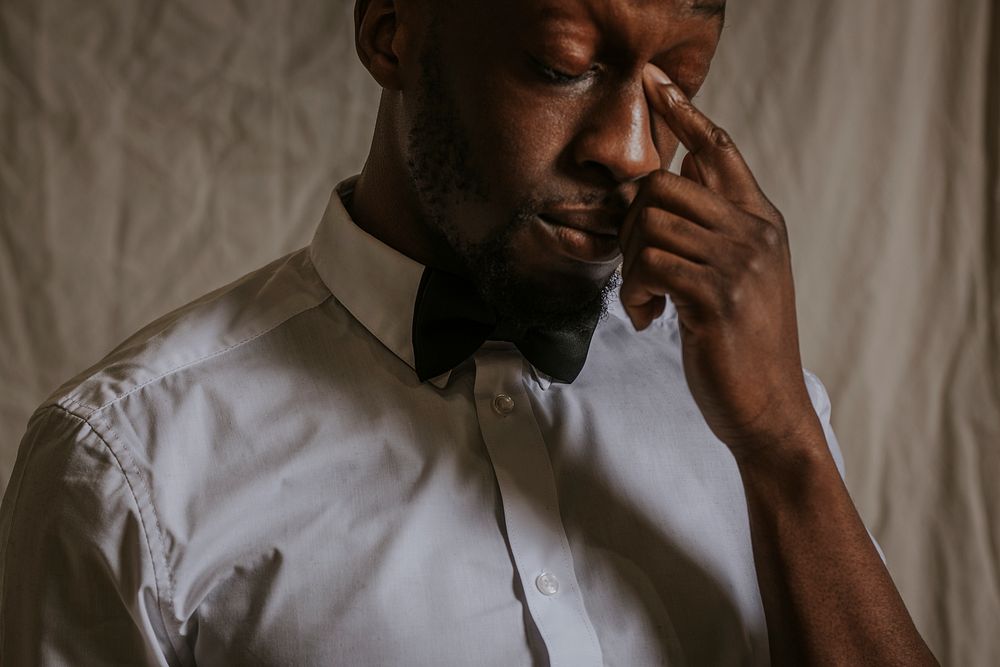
(827, 596)
(716, 245)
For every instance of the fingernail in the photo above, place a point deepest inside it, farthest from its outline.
(659, 76)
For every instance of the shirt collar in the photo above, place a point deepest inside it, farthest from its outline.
(376, 283)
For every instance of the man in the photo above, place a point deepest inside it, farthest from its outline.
(433, 436)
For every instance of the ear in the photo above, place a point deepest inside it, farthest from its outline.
(380, 39)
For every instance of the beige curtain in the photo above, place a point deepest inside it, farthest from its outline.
(152, 150)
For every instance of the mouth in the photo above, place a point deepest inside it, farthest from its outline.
(588, 244)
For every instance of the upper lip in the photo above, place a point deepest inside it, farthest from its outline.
(595, 221)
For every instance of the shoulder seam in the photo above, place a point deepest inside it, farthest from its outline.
(16, 486)
(54, 408)
(161, 599)
(72, 398)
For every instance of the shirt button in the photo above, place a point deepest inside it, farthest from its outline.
(503, 404)
(547, 584)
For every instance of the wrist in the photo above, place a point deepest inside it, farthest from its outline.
(799, 450)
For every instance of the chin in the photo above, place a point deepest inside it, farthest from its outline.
(557, 300)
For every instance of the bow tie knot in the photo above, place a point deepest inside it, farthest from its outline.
(451, 321)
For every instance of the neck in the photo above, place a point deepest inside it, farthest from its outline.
(385, 205)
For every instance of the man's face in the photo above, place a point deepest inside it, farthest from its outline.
(529, 119)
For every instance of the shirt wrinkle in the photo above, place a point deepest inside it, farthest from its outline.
(302, 498)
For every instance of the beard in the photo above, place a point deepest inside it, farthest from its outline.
(443, 176)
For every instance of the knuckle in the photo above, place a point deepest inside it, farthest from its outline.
(749, 260)
(657, 265)
(754, 264)
(649, 258)
(731, 296)
(771, 237)
(658, 180)
(720, 138)
(766, 235)
(677, 228)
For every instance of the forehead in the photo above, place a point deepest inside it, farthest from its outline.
(637, 24)
(599, 10)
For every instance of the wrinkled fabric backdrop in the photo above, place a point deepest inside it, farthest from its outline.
(152, 150)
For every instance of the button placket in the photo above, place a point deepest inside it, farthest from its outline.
(534, 529)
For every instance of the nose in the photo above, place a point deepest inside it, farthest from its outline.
(617, 136)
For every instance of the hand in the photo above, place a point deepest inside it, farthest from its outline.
(711, 240)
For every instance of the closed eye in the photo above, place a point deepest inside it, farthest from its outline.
(558, 77)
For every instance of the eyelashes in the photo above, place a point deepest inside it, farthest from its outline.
(557, 77)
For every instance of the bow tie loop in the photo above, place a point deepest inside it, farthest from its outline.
(451, 321)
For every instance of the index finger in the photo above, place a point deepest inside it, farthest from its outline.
(719, 163)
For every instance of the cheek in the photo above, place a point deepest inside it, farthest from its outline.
(537, 137)
(527, 137)
(522, 135)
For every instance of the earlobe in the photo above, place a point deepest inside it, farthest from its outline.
(379, 39)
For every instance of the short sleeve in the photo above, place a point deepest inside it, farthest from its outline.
(821, 404)
(76, 580)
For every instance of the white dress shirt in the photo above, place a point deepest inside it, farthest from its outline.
(259, 478)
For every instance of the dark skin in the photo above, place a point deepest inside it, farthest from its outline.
(583, 106)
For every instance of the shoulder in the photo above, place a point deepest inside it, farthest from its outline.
(65, 473)
(72, 506)
(214, 325)
(111, 459)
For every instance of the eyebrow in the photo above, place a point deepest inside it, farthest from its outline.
(708, 8)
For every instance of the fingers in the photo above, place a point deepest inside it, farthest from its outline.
(713, 155)
(685, 235)
(691, 200)
(656, 273)
(659, 228)
(665, 251)
(668, 208)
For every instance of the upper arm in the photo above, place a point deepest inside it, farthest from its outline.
(77, 585)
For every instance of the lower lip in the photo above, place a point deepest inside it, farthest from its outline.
(580, 245)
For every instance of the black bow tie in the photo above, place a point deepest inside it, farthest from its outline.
(451, 321)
